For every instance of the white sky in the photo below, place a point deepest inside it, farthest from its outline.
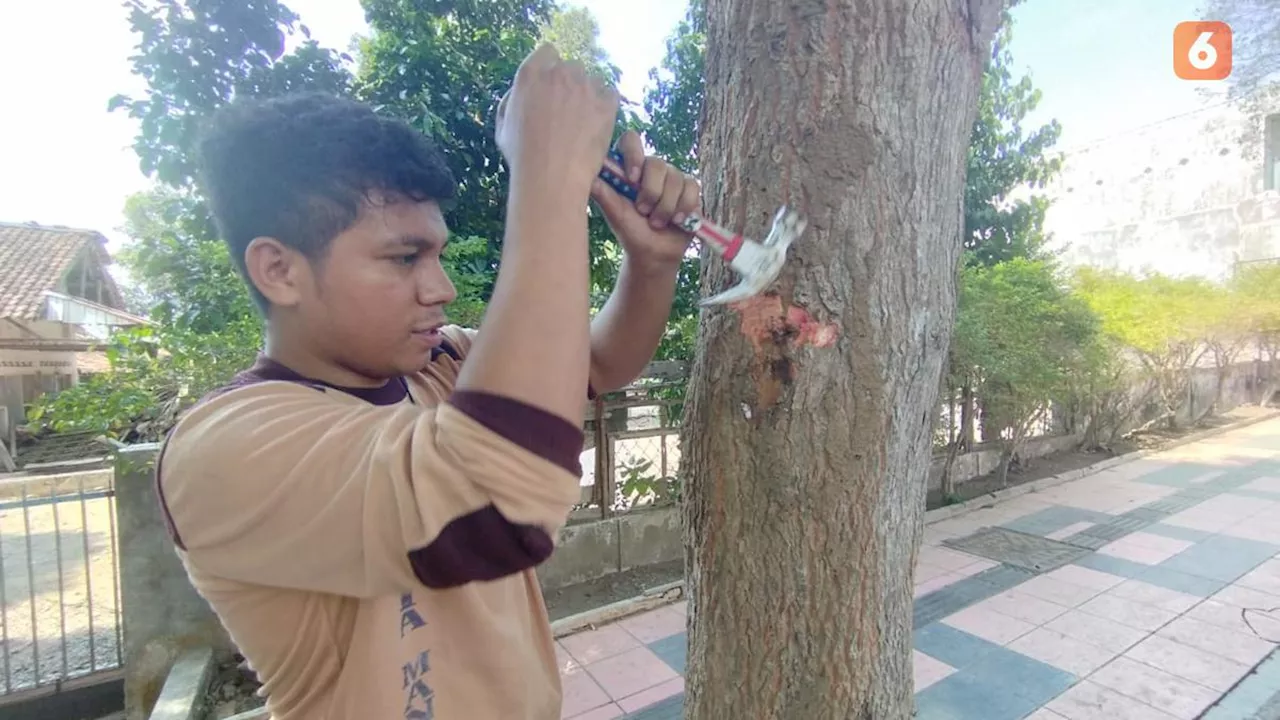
(1102, 67)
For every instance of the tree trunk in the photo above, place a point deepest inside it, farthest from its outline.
(967, 435)
(810, 409)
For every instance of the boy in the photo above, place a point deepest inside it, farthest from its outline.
(364, 507)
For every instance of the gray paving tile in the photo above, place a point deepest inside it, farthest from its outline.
(1179, 475)
(670, 709)
(1176, 532)
(974, 695)
(1113, 565)
(1149, 513)
(1255, 697)
(956, 648)
(672, 651)
(1182, 582)
(1032, 679)
(1088, 542)
(1221, 557)
(1053, 519)
(1176, 503)
(1260, 494)
(960, 595)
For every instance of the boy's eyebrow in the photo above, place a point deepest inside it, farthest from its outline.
(414, 241)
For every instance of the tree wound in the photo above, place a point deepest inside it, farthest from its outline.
(775, 330)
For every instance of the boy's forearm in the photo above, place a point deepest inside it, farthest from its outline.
(535, 347)
(627, 330)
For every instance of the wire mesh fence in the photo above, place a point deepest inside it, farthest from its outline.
(60, 613)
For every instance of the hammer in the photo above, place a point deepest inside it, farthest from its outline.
(758, 263)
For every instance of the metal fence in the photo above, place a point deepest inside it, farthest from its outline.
(60, 616)
(633, 449)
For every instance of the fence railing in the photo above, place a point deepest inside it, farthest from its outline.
(632, 444)
(60, 616)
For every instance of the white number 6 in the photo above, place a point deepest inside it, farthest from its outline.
(1201, 54)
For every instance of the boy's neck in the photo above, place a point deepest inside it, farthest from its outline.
(305, 361)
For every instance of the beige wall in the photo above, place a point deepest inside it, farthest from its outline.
(1181, 196)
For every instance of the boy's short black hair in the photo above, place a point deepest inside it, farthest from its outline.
(298, 167)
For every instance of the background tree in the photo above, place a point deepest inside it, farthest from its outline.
(810, 409)
(1162, 321)
(442, 66)
(1003, 215)
(1004, 160)
(1022, 337)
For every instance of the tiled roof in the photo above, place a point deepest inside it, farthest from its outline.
(34, 258)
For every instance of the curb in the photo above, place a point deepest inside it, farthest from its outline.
(968, 506)
(183, 694)
(652, 598)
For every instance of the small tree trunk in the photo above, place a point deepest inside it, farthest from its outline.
(1006, 458)
(811, 408)
(966, 417)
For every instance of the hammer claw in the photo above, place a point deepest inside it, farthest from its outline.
(758, 263)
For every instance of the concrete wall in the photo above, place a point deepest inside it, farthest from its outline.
(1181, 196)
(163, 614)
(592, 550)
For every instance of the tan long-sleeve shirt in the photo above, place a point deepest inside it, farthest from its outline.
(371, 552)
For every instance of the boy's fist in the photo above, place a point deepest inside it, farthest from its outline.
(557, 120)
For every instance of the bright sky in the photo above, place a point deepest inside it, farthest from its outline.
(1103, 66)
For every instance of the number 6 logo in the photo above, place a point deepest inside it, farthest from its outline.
(1202, 50)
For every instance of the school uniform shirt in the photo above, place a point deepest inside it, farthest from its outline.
(371, 552)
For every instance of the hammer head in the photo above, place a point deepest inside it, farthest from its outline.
(760, 263)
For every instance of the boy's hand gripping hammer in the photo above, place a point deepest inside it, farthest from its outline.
(757, 263)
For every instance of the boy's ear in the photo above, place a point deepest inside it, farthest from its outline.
(276, 270)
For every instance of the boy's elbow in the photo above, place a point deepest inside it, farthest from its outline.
(482, 546)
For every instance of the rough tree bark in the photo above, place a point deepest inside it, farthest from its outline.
(810, 409)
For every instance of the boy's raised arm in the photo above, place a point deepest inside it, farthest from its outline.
(554, 129)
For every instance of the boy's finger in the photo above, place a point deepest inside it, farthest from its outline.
(690, 200)
(669, 203)
(632, 148)
(653, 178)
(543, 56)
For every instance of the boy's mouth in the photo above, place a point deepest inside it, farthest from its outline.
(430, 335)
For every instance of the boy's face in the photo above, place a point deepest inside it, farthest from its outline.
(378, 298)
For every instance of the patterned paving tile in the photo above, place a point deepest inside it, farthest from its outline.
(962, 594)
(1001, 685)
(1159, 689)
(670, 709)
(1051, 621)
(1157, 575)
(672, 650)
(1221, 558)
(1053, 519)
(1179, 475)
(1187, 662)
(1090, 701)
(1176, 532)
(956, 648)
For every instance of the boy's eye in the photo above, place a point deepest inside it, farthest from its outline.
(406, 259)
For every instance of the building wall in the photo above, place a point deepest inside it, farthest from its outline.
(27, 374)
(1185, 196)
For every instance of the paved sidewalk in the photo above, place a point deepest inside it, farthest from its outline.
(1148, 591)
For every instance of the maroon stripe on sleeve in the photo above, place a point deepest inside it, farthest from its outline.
(479, 546)
(538, 431)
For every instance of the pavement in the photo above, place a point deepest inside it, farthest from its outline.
(1147, 591)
